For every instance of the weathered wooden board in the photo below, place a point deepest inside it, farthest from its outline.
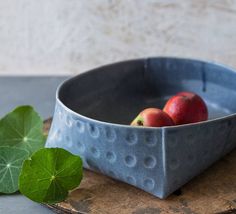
(214, 191)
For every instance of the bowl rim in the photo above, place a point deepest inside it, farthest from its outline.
(229, 69)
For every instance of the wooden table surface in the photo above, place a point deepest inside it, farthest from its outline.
(214, 191)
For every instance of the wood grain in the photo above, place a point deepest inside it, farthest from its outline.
(214, 191)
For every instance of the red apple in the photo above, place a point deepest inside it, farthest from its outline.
(186, 107)
(152, 117)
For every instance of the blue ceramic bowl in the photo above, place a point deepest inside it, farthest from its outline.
(93, 111)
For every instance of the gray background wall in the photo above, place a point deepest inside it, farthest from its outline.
(71, 36)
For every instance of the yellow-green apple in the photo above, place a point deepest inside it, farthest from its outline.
(152, 117)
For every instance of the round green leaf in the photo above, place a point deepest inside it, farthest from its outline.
(11, 160)
(49, 174)
(22, 128)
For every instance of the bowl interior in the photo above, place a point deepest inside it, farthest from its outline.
(118, 92)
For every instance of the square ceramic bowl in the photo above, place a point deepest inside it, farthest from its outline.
(93, 111)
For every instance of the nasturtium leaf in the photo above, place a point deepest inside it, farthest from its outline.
(11, 160)
(49, 174)
(22, 128)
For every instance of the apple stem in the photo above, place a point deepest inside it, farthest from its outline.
(140, 122)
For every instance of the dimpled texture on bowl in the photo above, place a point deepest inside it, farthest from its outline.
(157, 160)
